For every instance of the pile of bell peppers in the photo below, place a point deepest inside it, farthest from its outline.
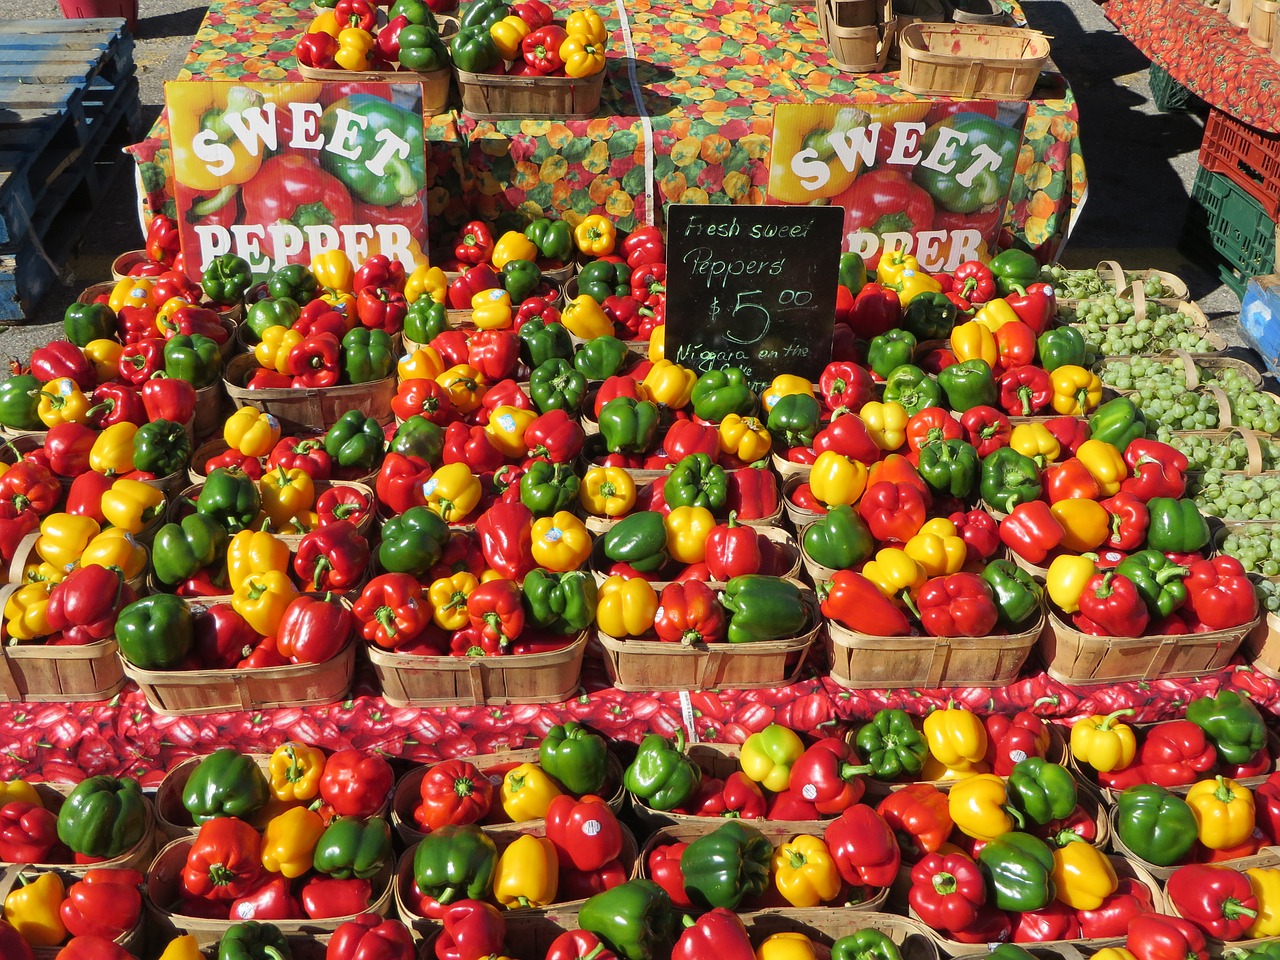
(527, 40)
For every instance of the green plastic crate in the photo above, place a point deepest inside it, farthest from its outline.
(1228, 226)
(1167, 93)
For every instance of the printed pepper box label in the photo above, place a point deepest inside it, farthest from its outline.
(929, 177)
(279, 173)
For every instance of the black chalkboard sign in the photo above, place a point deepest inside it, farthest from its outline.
(752, 287)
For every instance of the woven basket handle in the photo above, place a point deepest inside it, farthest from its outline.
(475, 676)
(1117, 274)
(1139, 301)
(938, 663)
(1188, 367)
(1224, 404)
(1160, 658)
(21, 554)
(9, 878)
(1254, 449)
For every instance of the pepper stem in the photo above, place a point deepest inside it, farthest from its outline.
(1223, 794)
(1110, 719)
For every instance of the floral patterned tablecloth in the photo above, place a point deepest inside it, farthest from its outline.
(709, 72)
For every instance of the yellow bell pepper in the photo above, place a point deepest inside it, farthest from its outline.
(116, 548)
(978, 805)
(326, 22)
(900, 271)
(506, 35)
(1103, 743)
(61, 401)
(607, 492)
(131, 292)
(294, 771)
(626, 608)
(426, 281)
(131, 504)
(561, 542)
(595, 235)
(26, 611)
(506, 428)
(289, 841)
(262, 598)
(168, 309)
(746, 438)
(112, 451)
(893, 263)
(33, 910)
(995, 313)
(687, 532)
(448, 599)
(784, 384)
(185, 947)
(251, 432)
(286, 494)
(252, 552)
(465, 386)
(974, 341)
(894, 573)
(768, 756)
(1224, 812)
(104, 355)
(273, 350)
(18, 791)
(1105, 464)
(1083, 875)
(805, 872)
(938, 548)
(491, 309)
(452, 492)
(512, 245)
(424, 363)
(955, 736)
(1265, 883)
(1076, 391)
(586, 319)
(334, 271)
(1035, 441)
(527, 792)
(1066, 579)
(1113, 953)
(528, 872)
(671, 384)
(786, 946)
(657, 344)
(211, 110)
(35, 571)
(589, 24)
(886, 423)
(934, 769)
(1086, 522)
(355, 49)
(835, 479)
(63, 537)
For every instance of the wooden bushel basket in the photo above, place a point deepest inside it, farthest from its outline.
(309, 408)
(861, 49)
(36, 673)
(52, 797)
(435, 83)
(991, 63)
(489, 97)
(131, 940)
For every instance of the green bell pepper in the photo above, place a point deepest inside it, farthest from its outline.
(353, 848)
(1019, 872)
(1017, 595)
(103, 817)
(520, 278)
(455, 862)
(226, 279)
(1008, 479)
(83, 323)
(865, 944)
(968, 385)
(161, 447)
(1156, 825)
(230, 497)
(20, 402)
(182, 549)
(1159, 580)
(1176, 525)
(763, 608)
(556, 385)
(226, 783)
(421, 49)
(662, 776)
(893, 747)
(1013, 270)
(294, 282)
(629, 425)
(930, 316)
(553, 238)
(602, 279)
(949, 467)
(425, 320)
(1118, 422)
(541, 341)
(252, 940)
(890, 350)
(575, 757)
(852, 273)
(719, 393)
(634, 919)
(1010, 951)
(415, 11)
(412, 542)
(696, 481)
(560, 603)
(1232, 722)
(547, 487)
(355, 441)
(484, 13)
(156, 632)
(195, 359)
(638, 540)
(725, 867)
(601, 358)
(957, 189)
(473, 50)
(367, 355)
(911, 387)
(1060, 347)
(419, 437)
(1041, 791)
(839, 539)
(272, 312)
(795, 420)
(403, 174)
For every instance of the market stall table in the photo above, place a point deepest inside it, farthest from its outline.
(686, 116)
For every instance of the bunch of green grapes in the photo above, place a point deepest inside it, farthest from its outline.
(1173, 407)
(1205, 453)
(1257, 411)
(1103, 310)
(1152, 286)
(1073, 284)
(1234, 496)
(1268, 592)
(1127, 373)
(1256, 547)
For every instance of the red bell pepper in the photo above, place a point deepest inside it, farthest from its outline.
(1070, 432)
(828, 775)
(947, 891)
(1219, 594)
(649, 283)
(689, 612)
(496, 610)
(174, 283)
(1111, 919)
(141, 360)
(1111, 601)
(342, 503)
(119, 402)
(221, 636)
(959, 605)
(224, 862)
(62, 358)
(856, 602)
(14, 525)
(332, 557)
(932, 425)
(28, 833)
(103, 903)
(471, 931)
(1176, 752)
(453, 792)
(979, 531)
(1031, 531)
(14, 947)
(664, 870)
(162, 243)
(168, 398)
(400, 480)
(91, 948)
(626, 312)
(1266, 797)
(324, 898)
(536, 308)
(188, 321)
(388, 40)
(136, 323)
(471, 445)
(1011, 740)
(475, 279)
(719, 933)
(644, 244)
(844, 384)
(503, 393)
(732, 549)
(379, 270)
(541, 49)
(1036, 307)
(319, 317)
(1155, 469)
(356, 785)
(425, 397)
(391, 611)
(974, 282)
(892, 510)
(556, 436)
(506, 538)
(1056, 921)
(307, 455)
(1129, 519)
(876, 309)
(1217, 899)
(986, 428)
(1016, 347)
(577, 944)
(67, 447)
(1069, 480)
(685, 437)
(315, 361)
(847, 435)
(317, 50)
(494, 353)
(584, 832)
(789, 805)
(475, 243)
(271, 901)
(735, 796)
(84, 498)
(357, 13)
(313, 629)
(84, 606)
(1024, 391)
(864, 847)
(619, 385)
(371, 937)
(264, 379)
(381, 308)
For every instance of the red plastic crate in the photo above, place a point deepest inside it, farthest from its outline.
(1248, 157)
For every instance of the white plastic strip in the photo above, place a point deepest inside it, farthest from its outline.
(686, 714)
(645, 123)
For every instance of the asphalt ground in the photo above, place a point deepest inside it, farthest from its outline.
(1140, 161)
